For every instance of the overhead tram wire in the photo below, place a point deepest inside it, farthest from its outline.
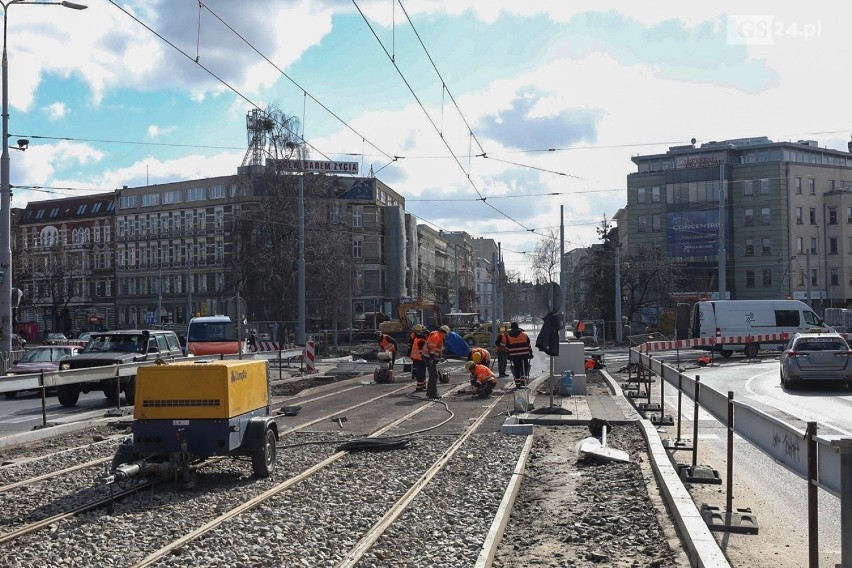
(432, 122)
(196, 60)
(296, 84)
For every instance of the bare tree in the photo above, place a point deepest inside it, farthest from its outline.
(53, 275)
(545, 257)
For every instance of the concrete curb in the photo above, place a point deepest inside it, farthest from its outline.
(57, 430)
(702, 548)
(504, 511)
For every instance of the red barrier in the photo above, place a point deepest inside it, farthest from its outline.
(309, 357)
(711, 341)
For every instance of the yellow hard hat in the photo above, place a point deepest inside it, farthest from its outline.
(502, 329)
(418, 327)
(477, 357)
(469, 365)
(445, 328)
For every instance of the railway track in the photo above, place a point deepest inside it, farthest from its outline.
(294, 480)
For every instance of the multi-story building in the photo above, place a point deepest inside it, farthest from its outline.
(784, 208)
(63, 263)
(460, 262)
(486, 261)
(171, 248)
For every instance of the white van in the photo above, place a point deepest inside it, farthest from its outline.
(752, 317)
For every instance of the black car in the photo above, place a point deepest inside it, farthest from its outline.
(117, 348)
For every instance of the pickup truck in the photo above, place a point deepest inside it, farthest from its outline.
(117, 348)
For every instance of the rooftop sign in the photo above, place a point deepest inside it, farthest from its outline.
(324, 166)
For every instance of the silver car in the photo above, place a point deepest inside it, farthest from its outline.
(816, 357)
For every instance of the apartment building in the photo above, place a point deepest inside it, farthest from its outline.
(63, 263)
(784, 210)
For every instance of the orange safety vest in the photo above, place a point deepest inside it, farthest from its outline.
(385, 344)
(502, 342)
(417, 348)
(484, 355)
(519, 345)
(589, 364)
(581, 326)
(434, 346)
(482, 374)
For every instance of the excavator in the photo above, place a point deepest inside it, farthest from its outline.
(409, 314)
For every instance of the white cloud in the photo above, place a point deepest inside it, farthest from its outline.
(155, 131)
(56, 111)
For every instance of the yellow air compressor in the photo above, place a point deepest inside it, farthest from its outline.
(186, 412)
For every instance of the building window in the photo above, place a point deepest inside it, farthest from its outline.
(195, 194)
(81, 209)
(799, 219)
(832, 215)
(217, 192)
(802, 278)
(831, 186)
(749, 246)
(127, 202)
(357, 216)
(834, 277)
(767, 277)
(764, 186)
(172, 197)
(814, 277)
(96, 207)
(357, 248)
(766, 247)
(640, 195)
(749, 217)
(800, 247)
(643, 223)
(656, 222)
(811, 186)
(765, 217)
(812, 215)
(749, 278)
(655, 195)
(150, 199)
(798, 185)
(747, 187)
(334, 213)
(832, 245)
(813, 245)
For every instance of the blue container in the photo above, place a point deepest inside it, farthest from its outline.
(566, 384)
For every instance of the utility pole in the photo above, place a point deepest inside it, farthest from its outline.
(722, 253)
(300, 332)
(808, 276)
(618, 326)
(494, 276)
(562, 266)
(501, 277)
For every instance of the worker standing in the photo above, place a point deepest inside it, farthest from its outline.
(480, 356)
(387, 344)
(502, 343)
(520, 354)
(418, 363)
(482, 380)
(433, 352)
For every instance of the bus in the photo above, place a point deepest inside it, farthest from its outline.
(212, 335)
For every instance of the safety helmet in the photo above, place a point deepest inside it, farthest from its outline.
(418, 327)
(502, 329)
(469, 365)
(445, 328)
(378, 334)
(477, 357)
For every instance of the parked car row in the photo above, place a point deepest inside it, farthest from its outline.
(42, 358)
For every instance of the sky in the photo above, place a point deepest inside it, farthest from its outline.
(502, 119)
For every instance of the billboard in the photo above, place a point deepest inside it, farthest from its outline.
(692, 234)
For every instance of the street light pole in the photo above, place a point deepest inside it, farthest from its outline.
(6, 192)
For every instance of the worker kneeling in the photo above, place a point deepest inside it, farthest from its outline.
(482, 380)
(480, 356)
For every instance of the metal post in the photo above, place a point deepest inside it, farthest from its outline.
(845, 448)
(562, 268)
(618, 325)
(729, 506)
(300, 333)
(722, 253)
(695, 423)
(495, 323)
(813, 508)
(6, 193)
(679, 399)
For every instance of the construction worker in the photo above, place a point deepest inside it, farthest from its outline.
(480, 356)
(418, 329)
(502, 343)
(418, 363)
(520, 354)
(433, 352)
(482, 380)
(388, 344)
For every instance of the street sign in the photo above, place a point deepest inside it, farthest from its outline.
(554, 297)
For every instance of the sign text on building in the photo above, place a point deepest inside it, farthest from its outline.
(325, 166)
